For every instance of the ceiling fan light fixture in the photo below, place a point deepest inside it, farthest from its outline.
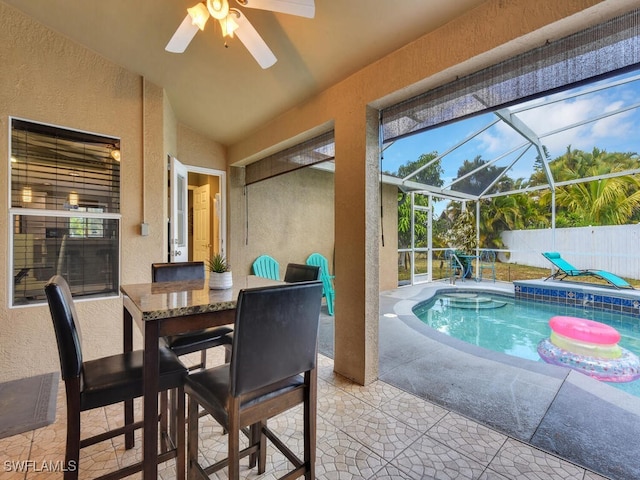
(228, 25)
(218, 9)
(199, 15)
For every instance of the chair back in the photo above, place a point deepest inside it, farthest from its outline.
(297, 272)
(175, 272)
(276, 335)
(559, 262)
(488, 256)
(319, 261)
(267, 267)
(68, 335)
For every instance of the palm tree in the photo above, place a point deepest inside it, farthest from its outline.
(608, 201)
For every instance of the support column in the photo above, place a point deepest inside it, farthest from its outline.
(357, 217)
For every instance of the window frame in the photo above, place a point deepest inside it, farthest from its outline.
(15, 212)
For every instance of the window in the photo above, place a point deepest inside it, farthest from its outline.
(64, 212)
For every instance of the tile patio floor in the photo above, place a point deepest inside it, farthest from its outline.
(373, 432)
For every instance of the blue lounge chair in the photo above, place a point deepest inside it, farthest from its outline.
(565, 269)
(327, 280)
(267, 267)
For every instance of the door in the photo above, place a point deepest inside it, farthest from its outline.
(201, 223)
(178, 246)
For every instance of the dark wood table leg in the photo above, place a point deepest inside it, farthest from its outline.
(127, 335)
(151, 384)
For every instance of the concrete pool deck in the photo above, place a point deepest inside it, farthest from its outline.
(552, 408)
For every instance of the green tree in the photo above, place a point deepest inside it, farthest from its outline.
(431, 175)
(608, 201)
(478, 182)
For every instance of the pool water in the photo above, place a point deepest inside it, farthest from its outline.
(503, 324)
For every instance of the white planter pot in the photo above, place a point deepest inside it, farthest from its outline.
(220, 281)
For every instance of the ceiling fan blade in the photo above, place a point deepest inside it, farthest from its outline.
(251, 39)
(301, 8)
(183, 36)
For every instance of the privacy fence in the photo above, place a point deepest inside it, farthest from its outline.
(612, 248)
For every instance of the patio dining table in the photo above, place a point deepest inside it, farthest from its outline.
(171, 308)
(468, 261)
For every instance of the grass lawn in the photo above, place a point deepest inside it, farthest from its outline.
(506, 272)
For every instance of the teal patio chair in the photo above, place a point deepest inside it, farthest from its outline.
(328, 292)
(267, 267)
(487, 262)
(565, 269)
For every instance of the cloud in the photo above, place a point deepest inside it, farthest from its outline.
(555, 116)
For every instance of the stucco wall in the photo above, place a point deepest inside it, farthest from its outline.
(47, 78)
(289, 217)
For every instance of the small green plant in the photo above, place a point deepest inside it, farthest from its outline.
(218, 264)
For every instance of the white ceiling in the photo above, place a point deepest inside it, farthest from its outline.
(222, 92)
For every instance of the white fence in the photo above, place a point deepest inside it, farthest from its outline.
(615, 249)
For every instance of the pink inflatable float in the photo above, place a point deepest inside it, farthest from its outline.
(590, 348)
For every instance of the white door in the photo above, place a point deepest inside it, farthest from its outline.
(201, 223)
(178, 243)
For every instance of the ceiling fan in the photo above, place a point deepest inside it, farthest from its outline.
(232, 21)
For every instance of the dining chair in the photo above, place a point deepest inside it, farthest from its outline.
(297, 272)
(272, 370)
(106, 381)
(191, 342)
(488, 262)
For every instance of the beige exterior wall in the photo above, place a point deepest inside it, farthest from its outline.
(48, 78)
(287, 217)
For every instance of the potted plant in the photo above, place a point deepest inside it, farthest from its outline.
(219, 273)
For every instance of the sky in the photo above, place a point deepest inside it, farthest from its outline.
(614, 133)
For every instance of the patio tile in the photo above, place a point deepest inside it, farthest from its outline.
(428, 458)
(468, 437)
(518, 460)
(382, 433)
(373, 432)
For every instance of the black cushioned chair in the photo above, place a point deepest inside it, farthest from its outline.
(105, 381)
(272, 369)
(297, 272)
(193, 341)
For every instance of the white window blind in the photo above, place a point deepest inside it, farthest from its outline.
(64, 212)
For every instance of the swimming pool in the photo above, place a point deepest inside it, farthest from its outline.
(515, 327)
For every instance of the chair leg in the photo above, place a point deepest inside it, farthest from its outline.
(330, 303)
(165, 413)
(72, 449)
(129, 439)
(192, 440)
(262, 452)
(234, 439)
(310, 425)
(180, 435)
(203, 359)
(257, 437)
